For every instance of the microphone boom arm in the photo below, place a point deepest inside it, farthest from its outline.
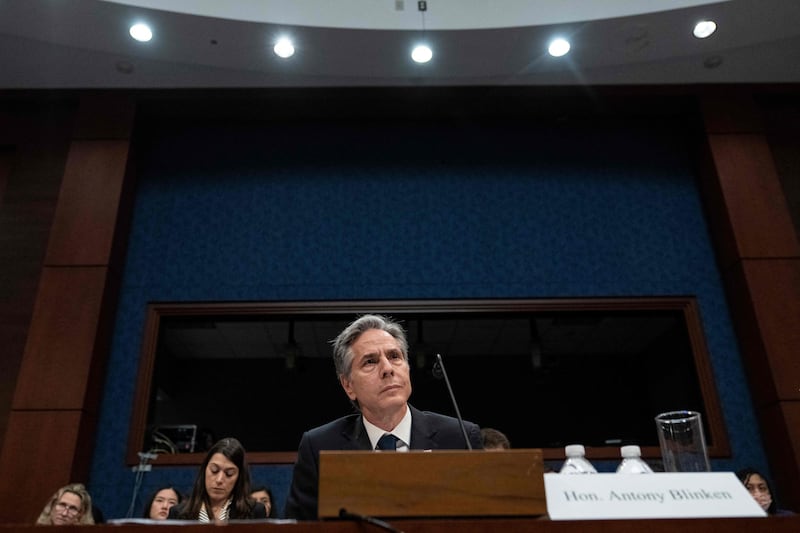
(453, 399)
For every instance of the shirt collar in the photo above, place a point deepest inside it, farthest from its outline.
(402, 431)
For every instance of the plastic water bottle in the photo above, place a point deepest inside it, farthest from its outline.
(632, 462)
(576, 462)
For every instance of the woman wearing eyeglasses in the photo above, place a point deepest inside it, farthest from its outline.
(70, 505)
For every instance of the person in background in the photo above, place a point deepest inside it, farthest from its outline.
(759, 488)
(371, 360)
(263, 494)
(494, 440)
(70, 505)
(221, 490)
(160, 502)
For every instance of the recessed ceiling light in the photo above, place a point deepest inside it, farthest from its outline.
(283, 48)
(141, 32)
(558, 47)
(704, 29)
(421, 53)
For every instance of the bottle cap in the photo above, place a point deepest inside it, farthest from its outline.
(630, 451)
(574, 450)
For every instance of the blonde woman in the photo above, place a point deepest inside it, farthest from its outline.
(70, 505)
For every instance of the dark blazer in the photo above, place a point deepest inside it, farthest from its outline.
(258, 511)
(429, 431)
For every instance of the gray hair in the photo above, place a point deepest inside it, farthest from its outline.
(343, 355)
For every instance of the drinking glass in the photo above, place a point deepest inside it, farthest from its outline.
(683, 445)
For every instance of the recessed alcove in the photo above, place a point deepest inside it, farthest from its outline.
(545, 372)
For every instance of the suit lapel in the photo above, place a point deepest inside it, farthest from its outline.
(422, 433)
(356, 435)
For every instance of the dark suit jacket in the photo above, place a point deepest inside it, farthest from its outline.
(429, 431)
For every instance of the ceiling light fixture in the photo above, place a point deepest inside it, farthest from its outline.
(283, 48)
(421, 53)
(704, 29)
(141, 32)
(558, 47)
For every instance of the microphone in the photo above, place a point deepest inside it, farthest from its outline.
(347, 515)
(439, 371)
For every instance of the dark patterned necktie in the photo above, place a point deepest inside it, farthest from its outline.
(387, 442)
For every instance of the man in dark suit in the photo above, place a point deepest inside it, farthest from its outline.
(371, 359)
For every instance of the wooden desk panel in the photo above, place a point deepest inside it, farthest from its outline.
(434, 483)
(789, 524)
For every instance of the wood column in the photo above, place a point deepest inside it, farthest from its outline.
(51, 426)
(34, 140)
(759, 256)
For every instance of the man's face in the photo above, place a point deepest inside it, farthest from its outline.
(379, 375)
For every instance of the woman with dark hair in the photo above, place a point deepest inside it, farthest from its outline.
(263, 494)
(221, 490)
(161, 501)
(759, 488)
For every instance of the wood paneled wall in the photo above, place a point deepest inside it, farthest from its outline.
(51, 427)
(759, 254)
(34, 138)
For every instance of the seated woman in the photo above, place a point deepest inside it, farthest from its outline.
(162, 500)
(221, 489)
(71, 504)
(263, 494)
(758, 486)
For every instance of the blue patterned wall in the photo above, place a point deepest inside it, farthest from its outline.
(395, 210)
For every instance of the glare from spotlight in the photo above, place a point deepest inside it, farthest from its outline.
(141, 32)
(421, 54)
(558, 47)
(704, 29)
(284, 48)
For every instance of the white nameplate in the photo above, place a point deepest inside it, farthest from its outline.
(658, 495)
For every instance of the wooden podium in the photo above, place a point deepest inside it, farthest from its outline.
(438, 483)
